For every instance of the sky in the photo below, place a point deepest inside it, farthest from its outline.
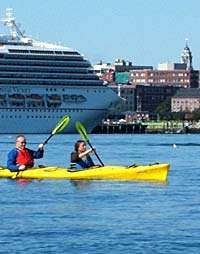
(145, 32)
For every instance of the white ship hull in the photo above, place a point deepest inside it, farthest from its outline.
(38, 125)
(38, 120)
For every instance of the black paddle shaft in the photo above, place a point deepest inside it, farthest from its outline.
(45, 142)
(95, 152)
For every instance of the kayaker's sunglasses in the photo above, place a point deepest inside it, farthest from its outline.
(23, 142)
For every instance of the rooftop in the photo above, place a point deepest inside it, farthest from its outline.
(188, 92)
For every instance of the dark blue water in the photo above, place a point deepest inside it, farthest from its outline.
(106, 216)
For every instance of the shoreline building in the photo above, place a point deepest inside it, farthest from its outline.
(167, 74)
(144, 88)
(186, 100)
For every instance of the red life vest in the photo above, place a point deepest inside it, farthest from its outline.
(24, 158)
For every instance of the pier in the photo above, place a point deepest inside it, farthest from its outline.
(113, 128)
(163, 127)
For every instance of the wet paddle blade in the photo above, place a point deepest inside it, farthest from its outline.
(58, 128)
(81, 129)
(61, 124)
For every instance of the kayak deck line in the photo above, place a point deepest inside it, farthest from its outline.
(153, 172)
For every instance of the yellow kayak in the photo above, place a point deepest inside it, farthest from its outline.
(154, 172)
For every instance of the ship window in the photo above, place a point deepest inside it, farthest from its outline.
(18, 51)
(59, 52)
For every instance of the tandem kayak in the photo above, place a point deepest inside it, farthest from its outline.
(154, 172)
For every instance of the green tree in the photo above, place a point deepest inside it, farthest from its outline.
(196, 114)
(164, 111)
(164, 107)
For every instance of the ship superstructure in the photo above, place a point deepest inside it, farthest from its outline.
(40, 82)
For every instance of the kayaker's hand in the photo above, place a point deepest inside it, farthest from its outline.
(22, 167)
(41, 146)
(93, 150)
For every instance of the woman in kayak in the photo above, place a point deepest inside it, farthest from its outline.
(21, 157)
(81, 156)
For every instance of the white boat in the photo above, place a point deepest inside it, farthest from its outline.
(61, 79)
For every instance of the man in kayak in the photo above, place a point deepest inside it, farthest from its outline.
(21, 157)
(81, 156)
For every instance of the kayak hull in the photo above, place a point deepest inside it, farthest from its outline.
(154, 172)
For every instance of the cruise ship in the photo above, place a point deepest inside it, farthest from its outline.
(40, 82)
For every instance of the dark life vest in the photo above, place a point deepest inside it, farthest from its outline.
(24, 157)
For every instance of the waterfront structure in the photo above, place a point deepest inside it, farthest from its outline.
(108, 77)
(102, 68)
(122, 65)
(142, 99)
(127, 93)
(179, 78)
(40, 82)
(109, 72)
(169, 66)
(186, 100)
(149, 97)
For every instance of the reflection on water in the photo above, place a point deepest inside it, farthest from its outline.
(80, 184)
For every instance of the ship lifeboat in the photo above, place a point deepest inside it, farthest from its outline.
(73, 98)
(2, 99)
(34, 100)
(54, 99)
(17, 99)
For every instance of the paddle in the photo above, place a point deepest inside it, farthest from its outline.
(64, 121)
(82, 130)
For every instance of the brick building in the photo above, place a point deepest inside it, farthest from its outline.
(186, 100)
(179, 78)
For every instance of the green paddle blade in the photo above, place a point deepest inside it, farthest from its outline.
(64, 121)
(81, 129)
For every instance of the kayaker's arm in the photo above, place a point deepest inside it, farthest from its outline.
(11, 162)
(81, 155)
(37, 154)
